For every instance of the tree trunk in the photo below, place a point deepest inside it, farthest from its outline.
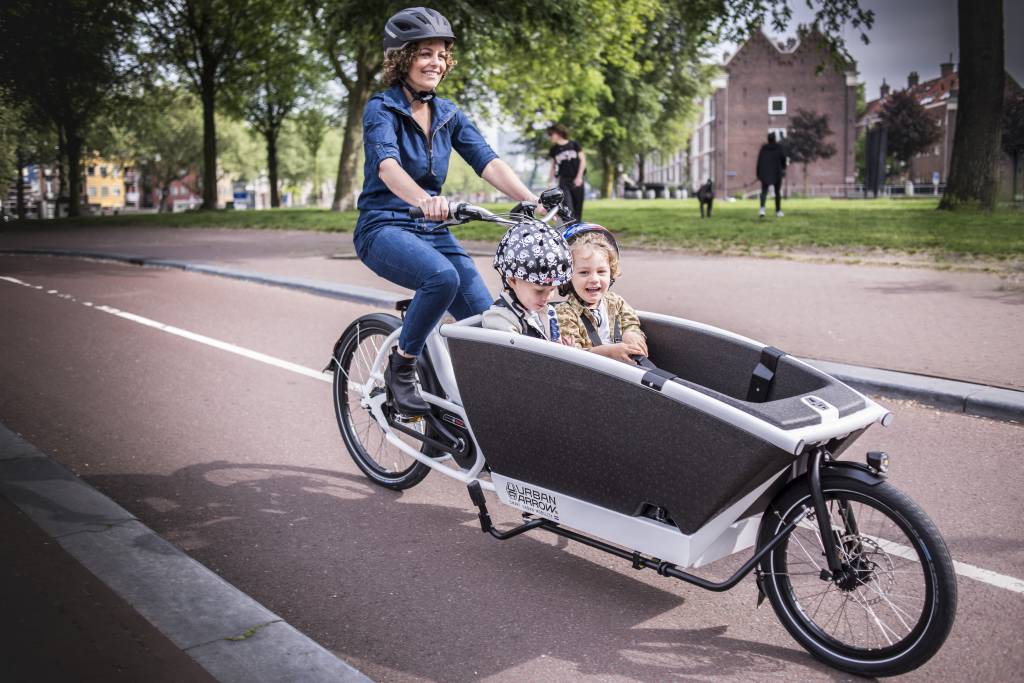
(979, 114)
(74, 150)
(208, 97)
(165, 194)
(805, 181)
(21, 210)
(345, 187)
(608, 171)
(640, 164)
(275, 197)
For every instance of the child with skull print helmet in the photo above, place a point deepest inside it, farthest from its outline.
(532, 259)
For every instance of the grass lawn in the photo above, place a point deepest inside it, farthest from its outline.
(843, 226)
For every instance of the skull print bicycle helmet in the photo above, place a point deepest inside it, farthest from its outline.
(413, 24)
(534, 252)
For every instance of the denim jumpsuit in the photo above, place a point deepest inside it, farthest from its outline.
(411, 252)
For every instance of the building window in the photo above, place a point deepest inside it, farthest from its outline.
(103, 171)
(92, 170)
(104, 191)
(117, 191)
(92, 191)
(776, 105)
(780, 133)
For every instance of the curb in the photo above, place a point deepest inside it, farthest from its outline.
(230, 635)
(962, 397)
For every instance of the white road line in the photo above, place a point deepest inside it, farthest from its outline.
(963, 569)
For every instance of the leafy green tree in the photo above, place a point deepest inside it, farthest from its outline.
(62, 58)
(276, 78)
(910, 129)
(806, 141)
(206, 44)
(313, 122)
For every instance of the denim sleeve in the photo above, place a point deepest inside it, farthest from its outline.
(380, 141)
(470, 145)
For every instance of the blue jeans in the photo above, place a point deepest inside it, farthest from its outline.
(436, 266)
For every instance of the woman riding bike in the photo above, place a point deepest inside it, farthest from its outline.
(408, 134)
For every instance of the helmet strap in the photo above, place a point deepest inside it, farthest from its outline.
(418, 95)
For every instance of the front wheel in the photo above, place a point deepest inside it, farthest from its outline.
(380, 460)
(895, 602)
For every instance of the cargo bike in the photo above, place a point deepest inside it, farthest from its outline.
(725, 445)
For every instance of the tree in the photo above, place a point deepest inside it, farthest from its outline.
(207, 43)
(313, 123)
(909, 128)
(1013, 134)
(806, 140)
(62, 59)
(979, 114)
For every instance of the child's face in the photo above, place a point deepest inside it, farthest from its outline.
(591, 274)
(533, 297)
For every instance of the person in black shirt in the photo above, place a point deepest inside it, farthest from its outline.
(568, 164)
(771, 168)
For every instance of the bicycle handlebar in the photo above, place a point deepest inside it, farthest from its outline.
(460, 212)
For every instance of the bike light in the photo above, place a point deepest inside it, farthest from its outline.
(878, 461)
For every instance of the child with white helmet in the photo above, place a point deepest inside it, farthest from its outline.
(533, 259)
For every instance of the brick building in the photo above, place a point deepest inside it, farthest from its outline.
(763, 86)
(938, 96)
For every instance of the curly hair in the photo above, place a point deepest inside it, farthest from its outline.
(597, 241)
(398, 62)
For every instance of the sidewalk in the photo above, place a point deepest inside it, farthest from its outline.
(953, 325)
(90, 593)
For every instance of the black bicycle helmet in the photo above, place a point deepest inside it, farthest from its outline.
(413, 24)
(534, 252)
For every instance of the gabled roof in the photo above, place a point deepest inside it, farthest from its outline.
(929, 92)
(810, 39)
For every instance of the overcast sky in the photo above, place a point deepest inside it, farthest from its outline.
(915, 35)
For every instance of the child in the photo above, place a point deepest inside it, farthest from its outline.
(533, 259)
(592, 317)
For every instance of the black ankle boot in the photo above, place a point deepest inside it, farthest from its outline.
(400, 378)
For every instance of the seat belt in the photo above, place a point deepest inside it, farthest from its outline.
(763, 374)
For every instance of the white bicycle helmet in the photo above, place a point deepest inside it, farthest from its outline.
(534, 252)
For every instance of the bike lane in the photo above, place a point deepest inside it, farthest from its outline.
(239, 464)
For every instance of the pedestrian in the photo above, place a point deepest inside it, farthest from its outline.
(706, 195)
(408, 136)
(771, 169)
(568, 164)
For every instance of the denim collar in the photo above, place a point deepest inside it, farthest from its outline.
(394, 98)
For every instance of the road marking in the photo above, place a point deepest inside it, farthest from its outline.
(963, 569)
(202, 339)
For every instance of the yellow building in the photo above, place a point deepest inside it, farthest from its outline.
(104, 184)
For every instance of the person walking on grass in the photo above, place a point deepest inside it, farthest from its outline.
(568, 164)
(771, 169)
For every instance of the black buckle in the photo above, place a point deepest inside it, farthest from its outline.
(763, 374)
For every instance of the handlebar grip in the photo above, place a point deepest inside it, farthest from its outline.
(415, 212)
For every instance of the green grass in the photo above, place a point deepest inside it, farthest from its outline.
(844, 226)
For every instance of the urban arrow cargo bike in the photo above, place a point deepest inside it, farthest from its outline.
(727, 446)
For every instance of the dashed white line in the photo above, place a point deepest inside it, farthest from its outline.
(970, 571)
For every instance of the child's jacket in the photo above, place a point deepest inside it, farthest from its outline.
(572, 312)
(507, 315)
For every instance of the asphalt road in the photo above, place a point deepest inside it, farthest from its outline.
(239, 463)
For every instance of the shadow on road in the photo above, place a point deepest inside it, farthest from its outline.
(408, 589)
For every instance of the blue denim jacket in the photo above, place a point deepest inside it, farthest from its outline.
(389, 132)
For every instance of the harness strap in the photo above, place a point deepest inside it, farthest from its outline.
(595, 338)
(763, 374)
(524, 326)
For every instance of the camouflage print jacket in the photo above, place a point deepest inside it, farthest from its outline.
(570, 319)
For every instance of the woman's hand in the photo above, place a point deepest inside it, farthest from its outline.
(434, 208)
(633, 337)
(621, 351)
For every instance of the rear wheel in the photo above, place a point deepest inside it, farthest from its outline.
(383, 462)
(895, 602)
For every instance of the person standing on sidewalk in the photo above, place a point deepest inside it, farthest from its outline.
(568, 164)
(771, 169)
(408, 136)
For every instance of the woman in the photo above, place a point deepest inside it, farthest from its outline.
(408, 136)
